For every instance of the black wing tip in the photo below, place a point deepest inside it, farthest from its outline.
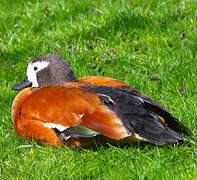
(188, 133)
(172, 122)
(169, 141)
(167, 136)
(180, 128)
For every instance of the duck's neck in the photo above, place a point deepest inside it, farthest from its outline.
(60, 77)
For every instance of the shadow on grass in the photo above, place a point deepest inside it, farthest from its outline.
(101, 143)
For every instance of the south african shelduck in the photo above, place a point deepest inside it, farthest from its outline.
(56, 108)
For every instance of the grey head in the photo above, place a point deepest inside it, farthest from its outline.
(47, 70)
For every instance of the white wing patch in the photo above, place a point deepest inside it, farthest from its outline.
(108, 97)
(67, 138)
(32, 72)
(57, 126)
(141, 100)
(81, 115)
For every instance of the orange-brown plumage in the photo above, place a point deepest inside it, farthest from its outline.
(109, 119)
(62, 105)
(101, 81)
(59, 108)
(17, 103)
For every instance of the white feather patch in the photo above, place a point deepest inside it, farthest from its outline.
(139, 137)
(81, 115)
(108, 97)
(67, 138)
(141, 100)
(32, 74)
(57, 126)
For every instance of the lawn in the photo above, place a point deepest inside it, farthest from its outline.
(152, 45)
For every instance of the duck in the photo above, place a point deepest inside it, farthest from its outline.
(56, 108)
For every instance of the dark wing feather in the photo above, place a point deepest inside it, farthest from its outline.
(134, 91)
(139, 115)
(171, 121)
(155, 107)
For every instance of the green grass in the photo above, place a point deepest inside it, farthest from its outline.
(126, 40)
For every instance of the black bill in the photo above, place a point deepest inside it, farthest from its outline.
(23, 84)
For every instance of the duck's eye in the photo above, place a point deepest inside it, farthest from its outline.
(35, 68)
